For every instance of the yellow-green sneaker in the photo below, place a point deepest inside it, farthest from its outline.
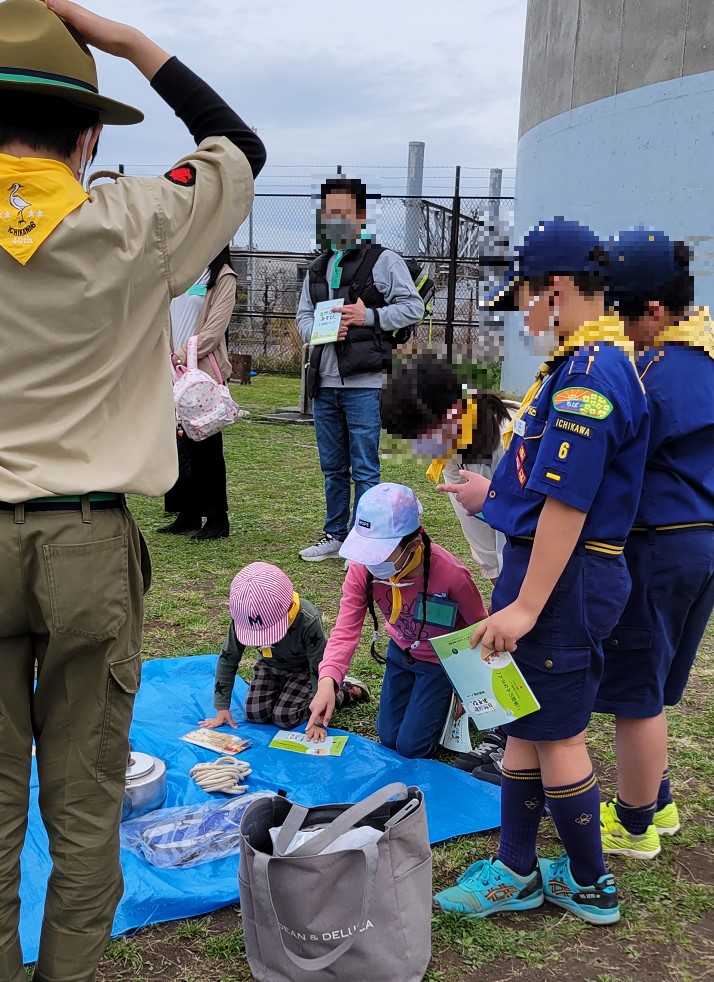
(616, 840)
(666, 820)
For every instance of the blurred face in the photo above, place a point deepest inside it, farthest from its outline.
(641, 330)
(341, 220)
(537, 308)
(440, 438)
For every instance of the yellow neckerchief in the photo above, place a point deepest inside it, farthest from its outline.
(464, 441)
(396, 580)
(694, 331)
(542, 374)
(606, 328)
(35, 196)
(292, 614)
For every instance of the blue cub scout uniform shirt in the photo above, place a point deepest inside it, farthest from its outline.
(678, 485)
(583, 442)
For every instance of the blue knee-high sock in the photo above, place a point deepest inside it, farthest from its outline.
(635, 818)
(522, 803)
(664, 796)
(575, 809)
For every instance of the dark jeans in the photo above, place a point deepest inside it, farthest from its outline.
(201, 486)
(413, 706)
(347, 428)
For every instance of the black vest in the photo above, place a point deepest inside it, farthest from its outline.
(364, 349)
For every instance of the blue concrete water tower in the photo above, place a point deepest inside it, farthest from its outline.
(617, 127)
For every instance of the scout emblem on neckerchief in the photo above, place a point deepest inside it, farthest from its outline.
(39, 195)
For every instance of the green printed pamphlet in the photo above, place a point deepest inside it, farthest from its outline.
(493, 692)
(332, 746)
(326, 323)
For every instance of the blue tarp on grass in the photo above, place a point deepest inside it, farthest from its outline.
(175, 694)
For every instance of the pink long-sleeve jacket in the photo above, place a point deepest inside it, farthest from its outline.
(447, 577)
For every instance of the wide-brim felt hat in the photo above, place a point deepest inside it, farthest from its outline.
(39, 53)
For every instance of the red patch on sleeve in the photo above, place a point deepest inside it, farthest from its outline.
(184, 176)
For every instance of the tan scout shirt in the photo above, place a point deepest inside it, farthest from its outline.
(85, 384)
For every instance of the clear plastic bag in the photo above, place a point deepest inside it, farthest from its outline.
(178, 838)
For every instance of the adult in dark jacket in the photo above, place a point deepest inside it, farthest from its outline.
(346, 376)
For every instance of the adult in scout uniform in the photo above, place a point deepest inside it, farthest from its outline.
(670, 552)
(86, 280)
(565, 495)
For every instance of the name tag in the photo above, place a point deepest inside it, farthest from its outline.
(519, 427)
(440, 612)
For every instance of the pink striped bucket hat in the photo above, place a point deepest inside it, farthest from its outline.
(260, 600)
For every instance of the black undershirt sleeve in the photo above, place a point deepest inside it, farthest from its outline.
(204, 112)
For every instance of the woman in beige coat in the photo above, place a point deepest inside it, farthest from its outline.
(200, 490)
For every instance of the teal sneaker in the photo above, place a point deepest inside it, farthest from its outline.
(487, 887)
(596, 904)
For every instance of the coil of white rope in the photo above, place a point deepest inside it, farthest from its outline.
(224, 776)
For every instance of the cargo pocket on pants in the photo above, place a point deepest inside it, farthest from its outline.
(89, 587)
(124, 678)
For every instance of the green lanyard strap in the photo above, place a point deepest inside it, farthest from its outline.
(337, 271)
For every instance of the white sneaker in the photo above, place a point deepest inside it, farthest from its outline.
(326, 548)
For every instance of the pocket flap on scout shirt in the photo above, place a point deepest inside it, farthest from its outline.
(127, 673)
(629, 639)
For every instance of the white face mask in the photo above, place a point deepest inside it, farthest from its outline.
(431, 446)
(541, 345)
(386, 570)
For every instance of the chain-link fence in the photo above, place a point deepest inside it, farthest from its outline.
(274, 247)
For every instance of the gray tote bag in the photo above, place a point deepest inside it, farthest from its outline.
(356, 914)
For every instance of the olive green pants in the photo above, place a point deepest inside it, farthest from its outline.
(72, 587)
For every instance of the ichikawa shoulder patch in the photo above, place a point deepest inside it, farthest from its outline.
(184, 176)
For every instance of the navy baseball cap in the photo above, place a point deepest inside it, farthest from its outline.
(557, 246)
(642, 261)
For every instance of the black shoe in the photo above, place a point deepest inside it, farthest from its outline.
(219, 529)
(183, 523)
(491, 772)
(492, 741)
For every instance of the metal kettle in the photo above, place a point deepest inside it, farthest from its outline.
(145, 787)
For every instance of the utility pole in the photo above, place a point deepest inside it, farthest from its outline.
(453, 262)
(415, 189)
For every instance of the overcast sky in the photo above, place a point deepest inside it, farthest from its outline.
(328, 82)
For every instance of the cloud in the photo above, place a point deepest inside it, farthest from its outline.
(327, 83)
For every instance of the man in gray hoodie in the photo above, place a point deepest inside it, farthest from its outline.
(345, 377)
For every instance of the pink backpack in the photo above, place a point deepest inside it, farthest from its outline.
(203, 405)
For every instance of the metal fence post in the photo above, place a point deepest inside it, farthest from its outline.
(453, 261)
(415, 187)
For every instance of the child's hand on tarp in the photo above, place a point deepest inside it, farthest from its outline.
(323, 703)
(223, 717)
(316, 733)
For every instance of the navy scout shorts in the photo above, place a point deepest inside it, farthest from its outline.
(650, 654)
(562, 657)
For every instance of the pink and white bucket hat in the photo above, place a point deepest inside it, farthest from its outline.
(260, 600)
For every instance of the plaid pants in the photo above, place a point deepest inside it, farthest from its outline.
(278, 697)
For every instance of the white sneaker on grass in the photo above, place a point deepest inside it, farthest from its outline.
(326, 548)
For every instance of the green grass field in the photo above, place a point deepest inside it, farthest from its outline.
(276, 496)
